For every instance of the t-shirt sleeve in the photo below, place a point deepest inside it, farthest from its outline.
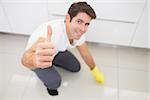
(81, 40)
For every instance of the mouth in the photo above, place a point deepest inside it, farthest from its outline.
(78, 37)
(78, 34)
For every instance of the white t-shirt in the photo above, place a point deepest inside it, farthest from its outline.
(59, 36)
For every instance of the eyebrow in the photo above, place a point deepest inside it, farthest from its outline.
(83, 22)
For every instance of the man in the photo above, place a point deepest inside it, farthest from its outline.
(47, 47)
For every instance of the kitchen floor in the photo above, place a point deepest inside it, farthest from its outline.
(125, 69)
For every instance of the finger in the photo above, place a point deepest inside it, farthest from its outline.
(45, 58)
(49, 33)
(45, 52)
(45, 45)
(44, 64)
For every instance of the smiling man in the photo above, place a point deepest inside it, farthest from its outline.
(47, 47)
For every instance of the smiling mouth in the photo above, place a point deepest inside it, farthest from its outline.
(78, 35)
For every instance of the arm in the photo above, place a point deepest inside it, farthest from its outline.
(87, 57)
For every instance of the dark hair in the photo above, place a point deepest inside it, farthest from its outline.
(78, 7)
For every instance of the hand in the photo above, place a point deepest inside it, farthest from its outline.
(44, 50)
(98, 75)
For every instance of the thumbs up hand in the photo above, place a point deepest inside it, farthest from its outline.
(44, 50)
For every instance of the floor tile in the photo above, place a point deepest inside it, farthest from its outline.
(132, 84)
(130, 59)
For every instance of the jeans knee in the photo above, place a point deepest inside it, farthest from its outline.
(76, 68)
(54, 83)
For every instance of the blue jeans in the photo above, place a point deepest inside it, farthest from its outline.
(50, 77)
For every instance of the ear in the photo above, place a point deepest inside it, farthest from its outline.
(67, 18)
(67, 21)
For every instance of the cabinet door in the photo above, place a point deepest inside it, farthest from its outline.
(116, 23)
(4, 24)
(121, 11)
(110, 32)
(116, 20)
(140, 36)
(25, 16)
(109, 10)
(58, 9)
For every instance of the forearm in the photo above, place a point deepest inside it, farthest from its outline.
(28, 59)
(87, 57)
(89, 61)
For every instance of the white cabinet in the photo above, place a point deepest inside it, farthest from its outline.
(121, 11)
(140, 36)
(148, 24)
(25, 16)
(119, 22)
(57, 9)
(110, 32)
(116, 23)
(4, 24)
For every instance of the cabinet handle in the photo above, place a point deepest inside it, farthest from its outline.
(101, 19)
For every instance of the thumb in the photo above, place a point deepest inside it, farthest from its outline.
(49, 33)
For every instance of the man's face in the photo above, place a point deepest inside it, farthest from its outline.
(79, 25)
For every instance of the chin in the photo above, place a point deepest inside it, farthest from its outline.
(76, 37)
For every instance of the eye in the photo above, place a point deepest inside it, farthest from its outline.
(87, 24)
(79, 21)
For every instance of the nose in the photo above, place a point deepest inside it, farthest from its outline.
(82, 28)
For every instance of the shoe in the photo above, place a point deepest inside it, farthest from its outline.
(52, 92)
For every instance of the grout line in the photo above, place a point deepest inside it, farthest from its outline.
(118, 83)
(102, 19)
(147, 85)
